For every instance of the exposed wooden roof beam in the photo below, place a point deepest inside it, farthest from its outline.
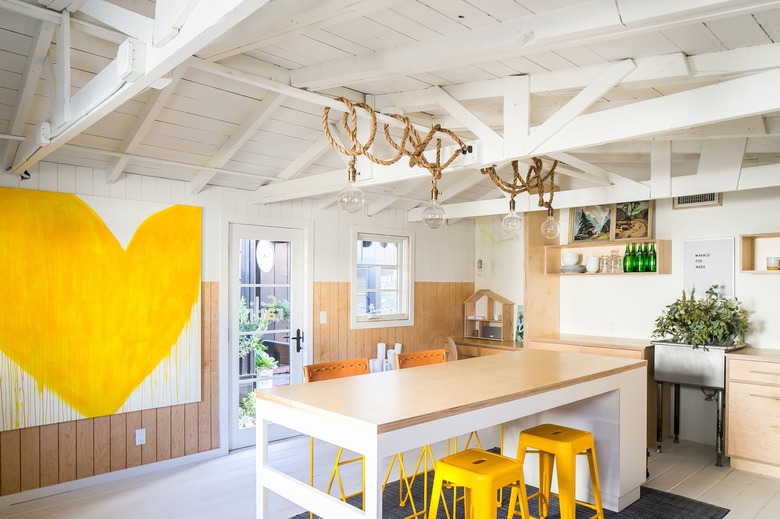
(245, 130)
(208, 21)
(124, 20)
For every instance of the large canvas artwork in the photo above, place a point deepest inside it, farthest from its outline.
(101, 306)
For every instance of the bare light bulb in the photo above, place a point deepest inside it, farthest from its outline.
(351, 199)
(550, 228)
(512, 223)
(433, 214)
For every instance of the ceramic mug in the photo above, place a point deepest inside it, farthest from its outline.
(592, 264)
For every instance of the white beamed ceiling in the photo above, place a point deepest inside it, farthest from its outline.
(634, 98)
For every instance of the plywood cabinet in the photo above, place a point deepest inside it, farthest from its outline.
(612, 347)
(753, 410)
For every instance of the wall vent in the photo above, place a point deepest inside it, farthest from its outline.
(703, 200)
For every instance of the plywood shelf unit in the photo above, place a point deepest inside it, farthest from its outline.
(754, 249)
(488, 315)
(552, 255)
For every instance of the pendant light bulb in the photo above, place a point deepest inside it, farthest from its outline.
(550, 228)
(351, 199)
(512, 222)
(433, 214)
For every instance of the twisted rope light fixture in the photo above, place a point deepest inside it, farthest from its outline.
(534, 182)
(411, 144)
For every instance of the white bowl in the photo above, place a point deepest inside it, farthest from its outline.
(570, 258)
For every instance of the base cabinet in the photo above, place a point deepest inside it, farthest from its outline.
(613, 347)
(753, 410)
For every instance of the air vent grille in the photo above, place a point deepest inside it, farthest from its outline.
(703, 200)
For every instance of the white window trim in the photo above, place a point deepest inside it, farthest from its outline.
(408, 271)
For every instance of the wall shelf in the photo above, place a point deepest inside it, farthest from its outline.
(552, 256)
(480, 312)
(754, 249)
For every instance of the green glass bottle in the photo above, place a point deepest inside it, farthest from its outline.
(627, 263)
(641, 264)
(652, 259)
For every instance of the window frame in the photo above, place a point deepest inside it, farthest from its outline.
(405, 274)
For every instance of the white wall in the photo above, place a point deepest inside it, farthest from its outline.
(503, 263)
(444, 254)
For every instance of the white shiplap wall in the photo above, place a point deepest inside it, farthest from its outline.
(445, 254)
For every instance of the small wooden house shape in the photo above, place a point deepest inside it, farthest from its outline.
(488, 315)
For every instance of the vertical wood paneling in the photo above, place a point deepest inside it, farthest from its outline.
(177, 431)
(118, 442)
(67, 458)
(149, 422)
(102, 442)
(50, 455)
(10, 459)
(163, 433)
(85, 449)
(42, 456)
(31, 458)
(133, 451)
(438, 314)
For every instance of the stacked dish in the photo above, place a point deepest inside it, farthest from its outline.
(572, 269)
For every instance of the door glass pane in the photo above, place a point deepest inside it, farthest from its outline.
(264, 321)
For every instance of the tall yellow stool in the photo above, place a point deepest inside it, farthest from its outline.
(483, 474)
(562, 445)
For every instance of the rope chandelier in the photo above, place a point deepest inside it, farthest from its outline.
(414, 146)
(534, 182)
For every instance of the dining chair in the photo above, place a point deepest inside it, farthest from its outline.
(452, 350)
(327, 371)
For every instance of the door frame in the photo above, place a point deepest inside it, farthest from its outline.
(306, 227)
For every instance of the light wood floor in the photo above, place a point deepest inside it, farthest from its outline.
(225, 487)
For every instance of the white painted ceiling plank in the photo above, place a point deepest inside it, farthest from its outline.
(61, 111)
(517, 113)
(384, 202)
(144, 121)
(578, 105)
(305, 159)
(472, 122)
(601, 173)
(721, 162)
(44, 32)
(124, 20)
(661, 169)
(705, 105)
(209, 21)
(248, 127)
(30, 10)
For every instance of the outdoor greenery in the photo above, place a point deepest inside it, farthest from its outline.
(247, 322)
(710, 320)
(264, 361)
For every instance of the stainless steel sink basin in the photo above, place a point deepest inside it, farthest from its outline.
(682, 364)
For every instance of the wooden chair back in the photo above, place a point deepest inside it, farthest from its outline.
(452, 353)
(420, 358)
(337, 369)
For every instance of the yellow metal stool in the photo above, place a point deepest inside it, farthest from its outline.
(483, 474)
(561, 445)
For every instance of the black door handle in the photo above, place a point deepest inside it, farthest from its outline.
(298, 338)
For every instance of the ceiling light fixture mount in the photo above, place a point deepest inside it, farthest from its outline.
(411, 144)
(534, 183)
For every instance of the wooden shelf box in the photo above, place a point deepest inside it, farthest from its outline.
(488, 315)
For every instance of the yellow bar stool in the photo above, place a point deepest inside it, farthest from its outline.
(483, 474)
(561, 445)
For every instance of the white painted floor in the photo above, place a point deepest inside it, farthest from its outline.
(225, 487)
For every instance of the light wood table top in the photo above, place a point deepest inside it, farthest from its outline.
(428, 393)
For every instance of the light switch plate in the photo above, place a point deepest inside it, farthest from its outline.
(140, 436)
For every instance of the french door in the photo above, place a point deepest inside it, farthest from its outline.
(266, 320)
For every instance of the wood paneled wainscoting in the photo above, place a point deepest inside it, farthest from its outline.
(36, 457)
(438, 314)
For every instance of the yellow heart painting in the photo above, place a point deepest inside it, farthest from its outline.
(85, 318)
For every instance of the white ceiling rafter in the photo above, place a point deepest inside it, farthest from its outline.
(109, 90)
(238, 137)
(44, 32)
(124, 20)
(143, 122)
(603, 174)
(377, 206)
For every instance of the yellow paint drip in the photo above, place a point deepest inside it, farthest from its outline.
(87, 319)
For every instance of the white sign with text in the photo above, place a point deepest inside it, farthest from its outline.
(707, 263)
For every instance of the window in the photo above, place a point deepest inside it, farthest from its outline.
(382, 292)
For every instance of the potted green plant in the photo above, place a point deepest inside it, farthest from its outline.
(695, 333)
(264, 364)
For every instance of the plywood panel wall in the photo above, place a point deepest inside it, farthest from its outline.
(37, 457)
(438, 314)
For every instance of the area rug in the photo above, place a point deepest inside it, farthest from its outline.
(652, 504)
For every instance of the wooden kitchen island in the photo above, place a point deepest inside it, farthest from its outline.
(380, 414)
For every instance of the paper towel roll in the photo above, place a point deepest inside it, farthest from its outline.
(390, 359)
(381, 348)
(397, 348)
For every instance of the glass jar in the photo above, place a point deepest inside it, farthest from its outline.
(604, 264)
(615, 262)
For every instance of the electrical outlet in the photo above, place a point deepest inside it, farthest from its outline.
(140, 436)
